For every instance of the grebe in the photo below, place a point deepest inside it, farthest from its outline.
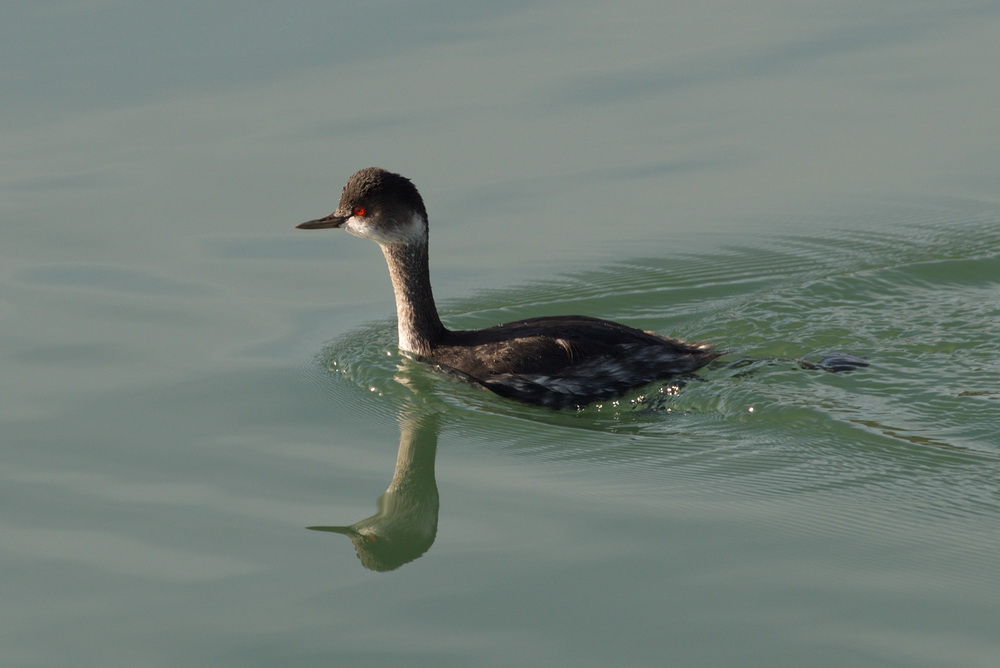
(555, 361)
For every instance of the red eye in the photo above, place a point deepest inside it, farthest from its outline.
(359, 211)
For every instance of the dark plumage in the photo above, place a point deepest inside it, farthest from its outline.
(556, 361)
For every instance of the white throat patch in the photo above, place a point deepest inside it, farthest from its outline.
(388, 232)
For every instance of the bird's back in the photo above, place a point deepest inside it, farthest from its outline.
(566, 361)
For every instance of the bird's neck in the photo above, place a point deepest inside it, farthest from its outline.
(417, 317)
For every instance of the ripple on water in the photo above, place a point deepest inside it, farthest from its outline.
(922, 303)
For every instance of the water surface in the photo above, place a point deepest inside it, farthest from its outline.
(190, 383)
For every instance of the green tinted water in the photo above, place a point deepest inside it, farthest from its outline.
(189, 383)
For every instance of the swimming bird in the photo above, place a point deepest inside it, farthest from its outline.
(555, 361)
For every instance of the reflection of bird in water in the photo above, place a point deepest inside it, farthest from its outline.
(406, 522)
